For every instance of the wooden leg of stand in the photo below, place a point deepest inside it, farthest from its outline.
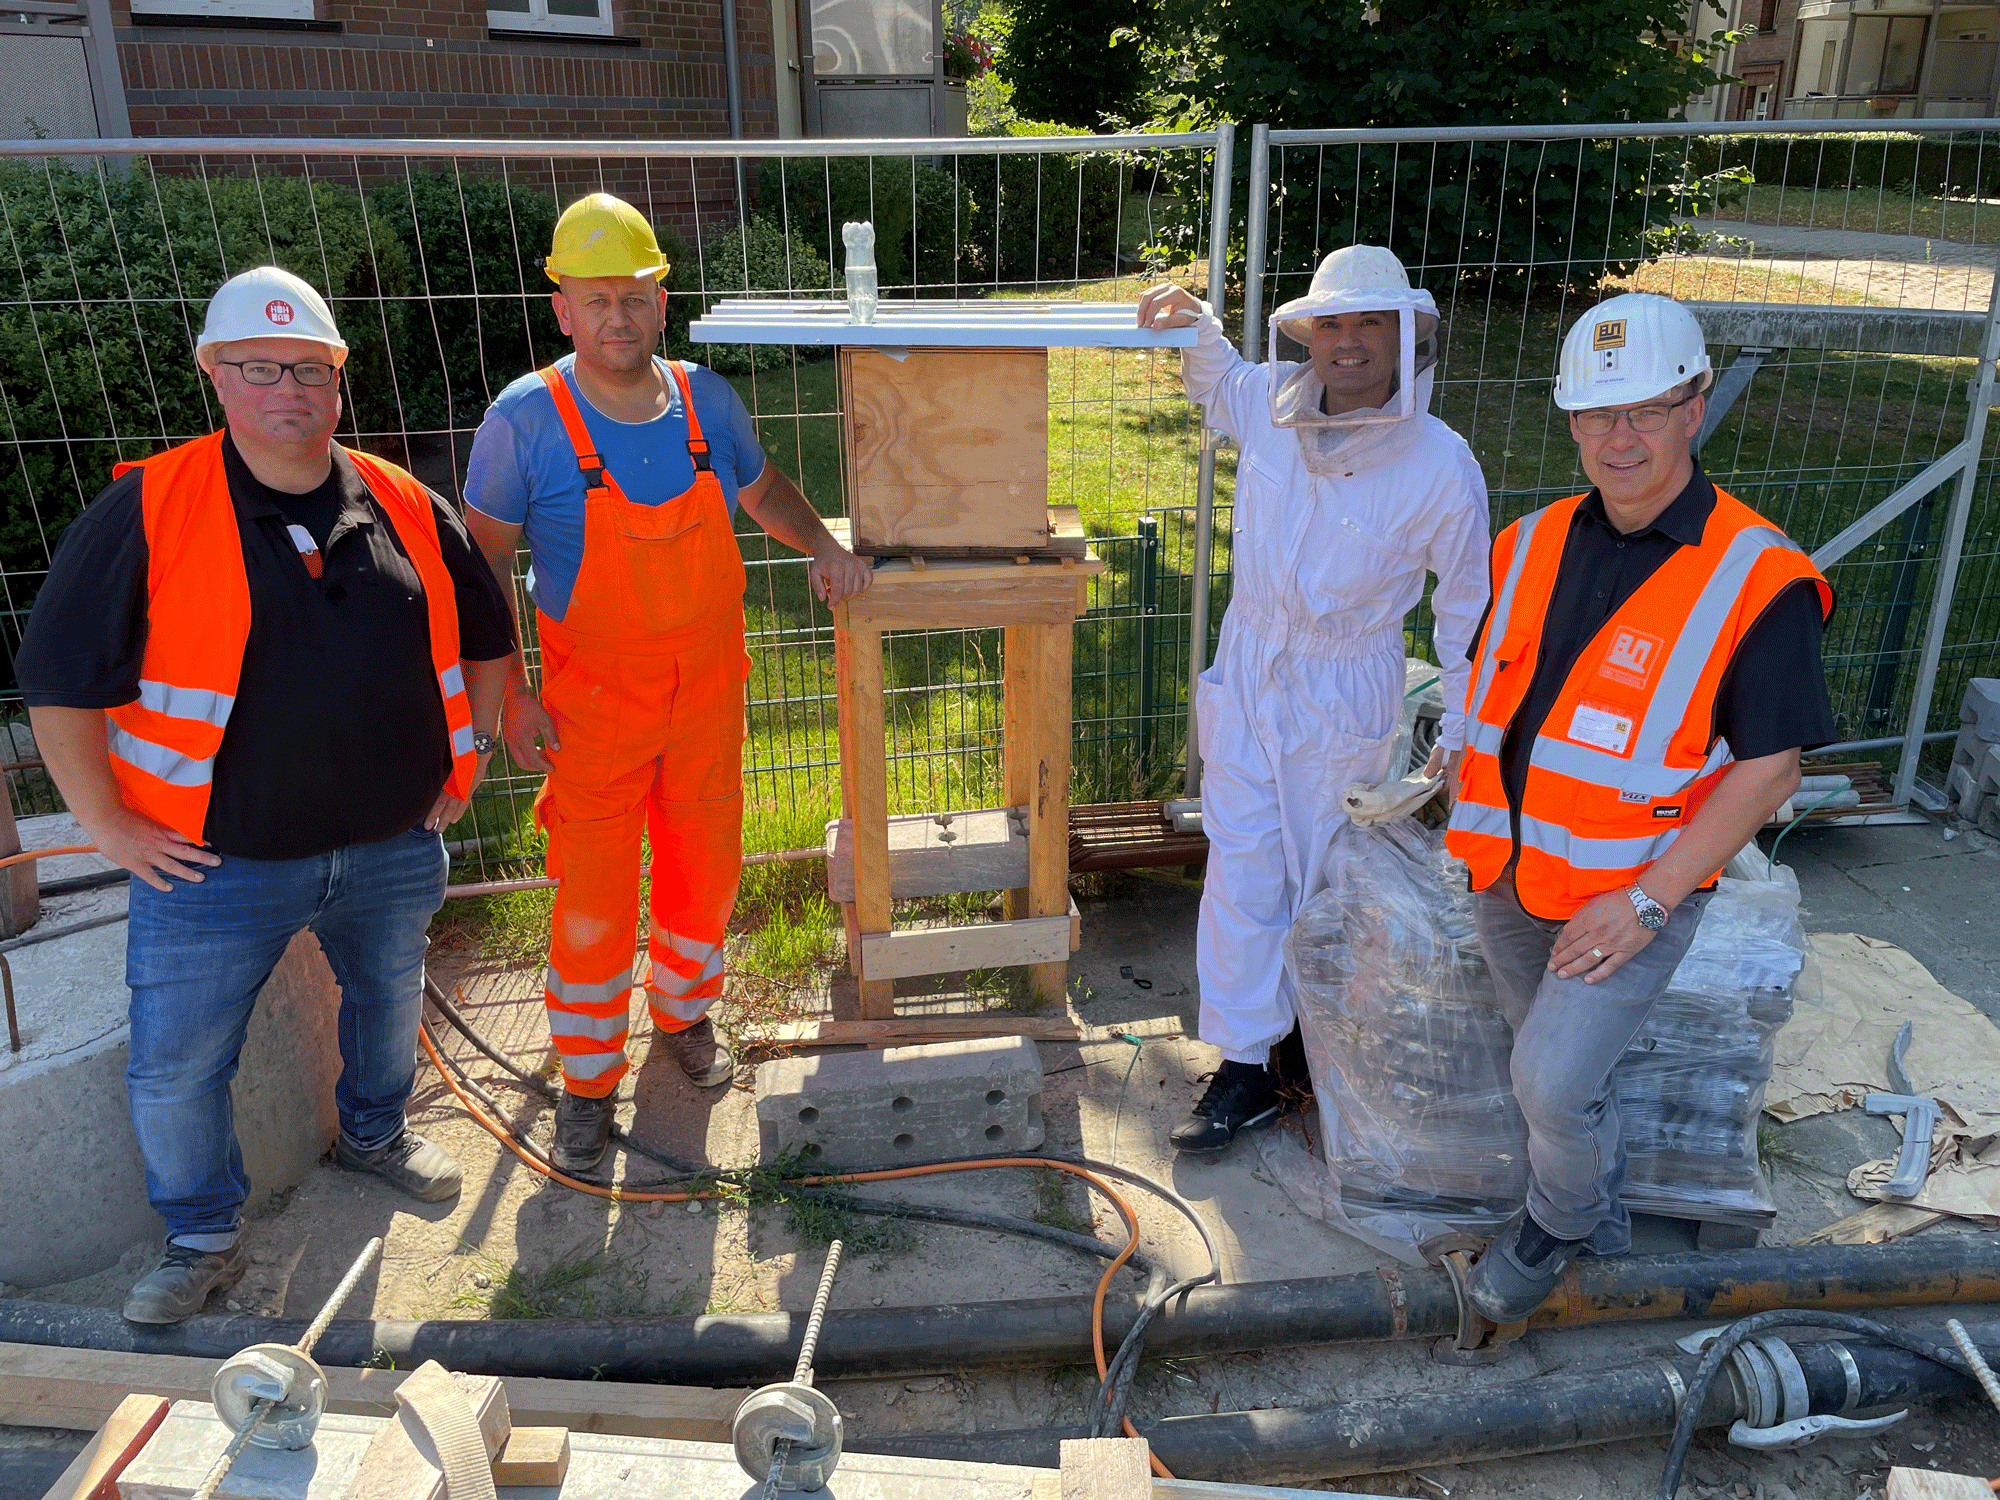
(1017, 751)
(870, 809)
(1048, 809)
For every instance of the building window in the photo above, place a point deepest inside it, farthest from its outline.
(1829, 71)
(584, 16)
(260, 10)
(1763, 103)
(1767, 17)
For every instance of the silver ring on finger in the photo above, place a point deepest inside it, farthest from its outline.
(1597, 953)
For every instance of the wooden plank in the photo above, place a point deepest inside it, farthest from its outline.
(1016, 763)
(1048, 806)
(1034, 941)
(79, 1389)
(94, 1474)
(1106, 1469)
(533, 1455)
(866, 748)
(1929, 1484)
(947, 449)
(1032, 596)
(904, 323)
(1068, 548)
(1877, 1224)
(400, 1462)
(1069, 1027)
(983, 849)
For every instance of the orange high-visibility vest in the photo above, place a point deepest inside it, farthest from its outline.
(1628, 752)
(198, 622)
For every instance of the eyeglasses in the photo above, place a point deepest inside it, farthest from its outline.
(311, 372)
(1600, 423)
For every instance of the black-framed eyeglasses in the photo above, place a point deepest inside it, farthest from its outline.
(308, 372)
(1600, 422)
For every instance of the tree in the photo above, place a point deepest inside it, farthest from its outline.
(1065, 62)
(1554, 212)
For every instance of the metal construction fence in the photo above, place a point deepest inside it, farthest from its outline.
(1845, 278)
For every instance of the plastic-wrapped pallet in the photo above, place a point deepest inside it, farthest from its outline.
(1409, 1054)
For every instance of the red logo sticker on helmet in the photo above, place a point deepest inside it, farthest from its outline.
(278, 312)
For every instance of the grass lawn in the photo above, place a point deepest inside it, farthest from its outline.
(1872, 210)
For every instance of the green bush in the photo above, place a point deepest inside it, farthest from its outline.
(102, 298)
(1045, 218)
(1956, 166)
(1064, 65)
(904, 199)
(760, 257)
(474, 244)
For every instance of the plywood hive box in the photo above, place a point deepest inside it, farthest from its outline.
(944, 411)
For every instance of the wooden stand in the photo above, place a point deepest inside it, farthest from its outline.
(1037, 602)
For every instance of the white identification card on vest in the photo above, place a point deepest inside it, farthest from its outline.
(1601, 728)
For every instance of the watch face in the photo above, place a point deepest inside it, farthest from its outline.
(1654, 917)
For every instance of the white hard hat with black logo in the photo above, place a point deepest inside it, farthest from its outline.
(1631, 348)
(269, 303)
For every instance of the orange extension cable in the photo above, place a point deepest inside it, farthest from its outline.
(23, 857)
(506, 1138)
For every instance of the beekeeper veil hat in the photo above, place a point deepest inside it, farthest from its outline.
(1358, 278)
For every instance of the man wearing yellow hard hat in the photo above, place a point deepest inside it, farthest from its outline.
(622, 471)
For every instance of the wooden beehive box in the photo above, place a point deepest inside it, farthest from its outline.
(945, 417)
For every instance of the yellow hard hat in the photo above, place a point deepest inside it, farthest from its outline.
(604, 236)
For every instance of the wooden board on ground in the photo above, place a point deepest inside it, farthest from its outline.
(1928, 1484)
(533, 1455)
(948, 449)
(976, 945)
(94, 1472)
(1877, 1224)
(931, 854)
(1106, 1469)
(898, 1031)
(79, 1389)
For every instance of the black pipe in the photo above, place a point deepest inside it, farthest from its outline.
(750, 1348)
(1299, 1445)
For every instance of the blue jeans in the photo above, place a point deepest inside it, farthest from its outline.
(195, 960)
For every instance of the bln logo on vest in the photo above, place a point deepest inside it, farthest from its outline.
(1631, 657)
(279, 312)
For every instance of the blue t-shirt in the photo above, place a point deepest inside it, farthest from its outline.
(523, 469)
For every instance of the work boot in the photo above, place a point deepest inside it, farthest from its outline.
(409, 1163)
(583, 1130)
(1519, 1269)
(703, 1056)
(1240, 1096)
(175, 1289)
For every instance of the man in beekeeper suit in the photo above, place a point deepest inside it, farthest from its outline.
(1347, 492)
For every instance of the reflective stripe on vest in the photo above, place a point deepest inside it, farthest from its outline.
(1627, 752)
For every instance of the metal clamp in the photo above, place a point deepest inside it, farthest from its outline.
(1786, 1436)
(1479, 1340)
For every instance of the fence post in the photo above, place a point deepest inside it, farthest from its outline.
(1149, 608)
(1221, 180)
(1948, 561)
(1258, 206)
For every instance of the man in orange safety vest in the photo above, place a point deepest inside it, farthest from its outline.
(622, 471)
(1645, 680)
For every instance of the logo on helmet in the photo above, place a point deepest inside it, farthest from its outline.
(279, 312)
(1609, 334)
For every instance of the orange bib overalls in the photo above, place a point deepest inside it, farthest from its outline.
(644, 678)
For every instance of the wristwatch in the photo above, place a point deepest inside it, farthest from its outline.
(1652, 915)
(483, 743)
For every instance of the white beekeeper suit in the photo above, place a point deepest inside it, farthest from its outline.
(1336, 521)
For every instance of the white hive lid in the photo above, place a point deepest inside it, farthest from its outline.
(964, 325)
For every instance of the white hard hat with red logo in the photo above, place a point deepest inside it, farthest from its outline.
(267, 303)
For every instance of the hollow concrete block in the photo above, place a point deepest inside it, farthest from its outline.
(863, 1110)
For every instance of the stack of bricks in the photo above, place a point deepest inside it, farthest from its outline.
(1972, 788)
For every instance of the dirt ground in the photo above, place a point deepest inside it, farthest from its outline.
(515, 1244)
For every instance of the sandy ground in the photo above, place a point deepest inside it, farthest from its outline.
(512, 1233)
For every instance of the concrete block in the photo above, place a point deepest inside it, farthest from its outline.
(861, 1110)
(66, 1142)
(1970, 749)
(1961, 793)
(1980, 707)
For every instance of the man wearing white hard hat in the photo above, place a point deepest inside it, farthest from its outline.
(1644, 683)
(265, 670)
(1347, 493)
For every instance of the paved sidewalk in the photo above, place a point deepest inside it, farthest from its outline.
(1787, 240)
(1888, 270)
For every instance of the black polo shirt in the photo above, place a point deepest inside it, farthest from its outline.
(338, 734)
(1772, 696)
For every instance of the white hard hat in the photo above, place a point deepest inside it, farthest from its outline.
(1356, 278)
(267, 303)
(1631, 348)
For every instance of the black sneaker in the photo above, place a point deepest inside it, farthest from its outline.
(1241, 1096)
(1519, 1270)
(583, 1130)
(175, 1289)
